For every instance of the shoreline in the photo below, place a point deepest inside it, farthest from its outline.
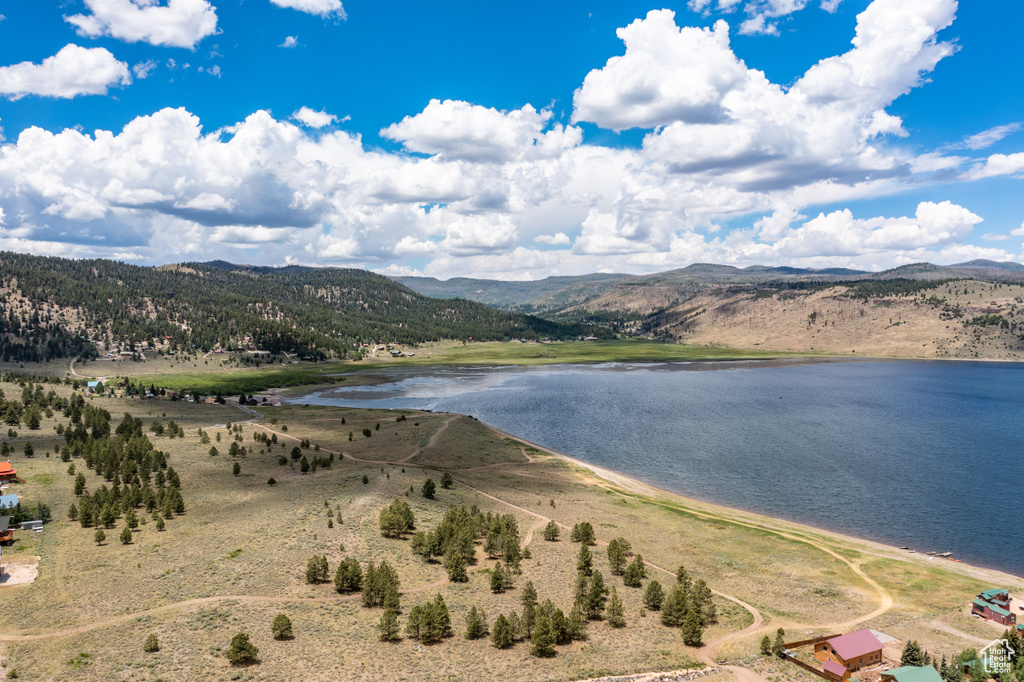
(293, 395)
(771, 523)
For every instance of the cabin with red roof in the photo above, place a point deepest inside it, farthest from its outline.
(852, 651)
(7, 472)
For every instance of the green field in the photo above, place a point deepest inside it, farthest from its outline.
(252, 380)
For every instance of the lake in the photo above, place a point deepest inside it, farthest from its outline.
(925, 454)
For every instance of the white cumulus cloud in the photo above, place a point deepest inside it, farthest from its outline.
(290, 41)
(324, 8)
(178, 23)
(557, 239)
(71, 72)
(313, 119)
(460, 130)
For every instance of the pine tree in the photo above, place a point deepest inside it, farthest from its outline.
(616, 611)
(497, 579)
(551, 531)
(501, 634)
(584, 561)
(476, 623)
(99, 536)
(455, 563)
(317, 570)
(73, 512)
(635, 573)
(387, 628)
(596, 596)
(542, 641)
(446, 480)
(674, 607)
(766, 645)
(444, 619)
(577, 624)
(126, 536)
(428, 489)
(574, 536)
(616, 557)
(780, 641)
(241, 651)
(281, 627)
(152, 644)
(79, 484)
(912, 654)
(160, 525)
(654, 595)
(236, 468)
(529, 594)
(693, 629)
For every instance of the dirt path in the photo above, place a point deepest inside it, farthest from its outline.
(939, 625)
(73, 361)
(432, 440)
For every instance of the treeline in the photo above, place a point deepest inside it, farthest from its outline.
(320, 313)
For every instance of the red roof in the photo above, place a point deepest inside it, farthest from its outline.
(835, 669)
(6, 468)
(855, 644)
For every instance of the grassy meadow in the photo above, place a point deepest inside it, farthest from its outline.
(237, 558)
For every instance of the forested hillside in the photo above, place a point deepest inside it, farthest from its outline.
(55, 307)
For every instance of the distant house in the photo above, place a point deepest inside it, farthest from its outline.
(912, 673)
(7, 472)
(990, 611)
(252, 402)
(994, 605)
(852, 651)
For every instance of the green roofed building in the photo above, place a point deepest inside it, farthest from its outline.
(994, 605)
(912, 673)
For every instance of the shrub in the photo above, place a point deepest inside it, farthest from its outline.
(282, 627)
(242, 651)
(152, 644)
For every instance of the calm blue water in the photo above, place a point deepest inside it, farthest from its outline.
(925, 454)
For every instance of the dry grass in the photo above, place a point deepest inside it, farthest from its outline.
(244, 545)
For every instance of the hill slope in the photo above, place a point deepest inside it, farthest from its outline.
(53, 307)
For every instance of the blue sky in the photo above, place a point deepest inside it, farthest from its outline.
(518, 141)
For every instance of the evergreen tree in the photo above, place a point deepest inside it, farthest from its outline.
(428, 488)
(574, 536)
(693, 629)
(348, 577)
(152, 644)
(596, 596)
(387, 628)
(703, 602)
(99, 536)
(497, 579)
(446, 480)
(317, 570)
(551, 531)
(674, 607)
(683, 579)
(635, 573)
(79, 484)
(542, 641)
(73, 512)
(282, 627)
(616, 611)
(126, 536)
(241, 651)
(654, 595)
(912, 654)
(444, 619)
(780, 641)
(577, 624)
(526, 622)
(766, 645)
(529, 594)
(476, 623)
(455, 564)
(616, 557)
(236, 469)
(587, 536)
(584, 561)
(160, 525)
(501, 634)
